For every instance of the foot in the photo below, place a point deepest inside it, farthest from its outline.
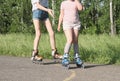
(56, 55)
(65, 60)
(35, 56)
(78, 61)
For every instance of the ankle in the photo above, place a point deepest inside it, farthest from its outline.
(66, 55)
(76, 55)
(54, 51)
(34, 53)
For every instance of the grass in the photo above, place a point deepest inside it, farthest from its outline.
(102, 49)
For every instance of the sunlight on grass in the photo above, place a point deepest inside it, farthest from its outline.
(101, 49)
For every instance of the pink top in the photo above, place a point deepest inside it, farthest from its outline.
(70, 11)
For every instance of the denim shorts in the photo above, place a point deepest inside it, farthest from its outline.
(40, 15)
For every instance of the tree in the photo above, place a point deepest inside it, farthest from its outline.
(16, 16)
(53, 7)
(111, 19)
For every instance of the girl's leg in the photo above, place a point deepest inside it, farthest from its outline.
(37, 37)
(35, 56)
(76, 48)
(69, 38)
(75, 41)
(51, 33)
(37, 34)
(48, 25)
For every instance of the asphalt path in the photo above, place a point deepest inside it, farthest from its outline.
(22, 69)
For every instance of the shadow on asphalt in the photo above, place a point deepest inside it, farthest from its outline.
(86, 66)
(49, 63)
(97, 65)
(90, 66)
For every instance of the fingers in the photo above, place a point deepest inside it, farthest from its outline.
(51, 12)
(58, 29)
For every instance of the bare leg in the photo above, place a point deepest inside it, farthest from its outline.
(69, 38)
(37, 34)
(35, 56)
(48, 25)
(51, 33)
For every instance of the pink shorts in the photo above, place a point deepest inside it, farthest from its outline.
(73, 25)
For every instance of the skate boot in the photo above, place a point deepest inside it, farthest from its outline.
(65, 60)
(78, 61)
(56, 56)
(35, 57)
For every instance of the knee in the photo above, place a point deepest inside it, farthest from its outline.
(75, 41)
(38, 34)
(70, 41)
(51, 34)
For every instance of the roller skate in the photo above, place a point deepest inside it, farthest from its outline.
(56, 56)
(37, 59)
(78, 61)
(65, 61)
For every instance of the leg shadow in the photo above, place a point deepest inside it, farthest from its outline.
(86, 66)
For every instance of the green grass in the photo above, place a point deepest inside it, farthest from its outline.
(102, 49)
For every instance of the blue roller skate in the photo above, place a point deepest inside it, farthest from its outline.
(78, 61)
(65, 61)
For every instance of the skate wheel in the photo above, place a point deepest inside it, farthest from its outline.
(37, 61)
(56, 60)
(66, 66)
(83, 66)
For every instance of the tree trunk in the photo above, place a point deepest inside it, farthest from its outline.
(53, 8)
(111, 19)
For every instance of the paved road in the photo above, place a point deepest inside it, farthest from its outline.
(22, 69)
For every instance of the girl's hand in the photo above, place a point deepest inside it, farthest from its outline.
(79, 5)
(50, 11)
(58, 29)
